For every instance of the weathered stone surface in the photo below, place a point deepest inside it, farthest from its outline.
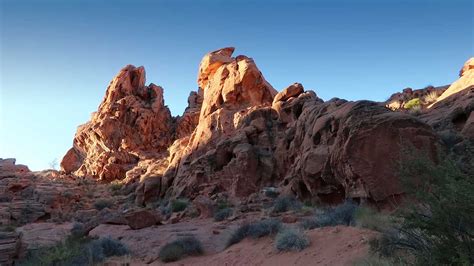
(9, 247)
(131, 123)
(291, 91)
(343, 149)
(37, 235)
(9, 168)
(141, 218)
(205, 206)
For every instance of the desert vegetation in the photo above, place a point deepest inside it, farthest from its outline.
(436, 228)
(180, 248)
(76, 251)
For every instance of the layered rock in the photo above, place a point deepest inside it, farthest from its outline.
(131, 123)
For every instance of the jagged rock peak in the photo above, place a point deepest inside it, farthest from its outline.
(131, 123)
(211, 62)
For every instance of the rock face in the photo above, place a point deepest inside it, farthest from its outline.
(341, 149)
(132, 123)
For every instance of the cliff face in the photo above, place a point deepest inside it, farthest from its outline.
(238, 135)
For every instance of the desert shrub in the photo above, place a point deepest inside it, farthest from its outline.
(180, 248)
(286, 203)
(67, 194)
(222, 214)
(369, 218)
(450, 138)
(108, 246)
(412, 103)
(374, 260)
(7, 228)
(256, 230)
(178, 205)
(437, 229)
(415, 110)
(271, 192)
(431, 97)
(76, 251)
(223, 204)
(115, 187)
(291, 240)
(343, 214)
(101, 204)
(77, 230)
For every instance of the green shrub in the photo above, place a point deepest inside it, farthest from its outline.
(115, 187)
(286, 203)
(102, 248)
(223, 204)
(101, 204)
(291, 240)
(180, 248)
(76, 251)
(222, 214)
(374, 260)
(415, 110)
(343, 214)
(438, 228)
(256, 230)
(412, 103)
(178, 205)
(369, 218)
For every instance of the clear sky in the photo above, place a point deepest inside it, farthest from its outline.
(57, 57)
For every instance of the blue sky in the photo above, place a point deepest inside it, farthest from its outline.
(57, 57)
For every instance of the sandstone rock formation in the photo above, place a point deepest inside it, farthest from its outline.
(132, 123)
(238, 135)
(232, 88)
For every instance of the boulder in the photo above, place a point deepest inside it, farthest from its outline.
(291, 91)
(205, 206)
(141, 218)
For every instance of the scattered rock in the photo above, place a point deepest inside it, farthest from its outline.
(141, 219)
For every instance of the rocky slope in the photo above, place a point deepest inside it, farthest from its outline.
(237, 140)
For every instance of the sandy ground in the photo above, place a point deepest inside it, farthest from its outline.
(338, 245)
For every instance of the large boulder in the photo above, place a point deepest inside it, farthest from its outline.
(340, 149)
(131, 123)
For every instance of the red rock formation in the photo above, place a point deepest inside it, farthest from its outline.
(132, 123)
(238, 135)
(340, 149)
(232, 88)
